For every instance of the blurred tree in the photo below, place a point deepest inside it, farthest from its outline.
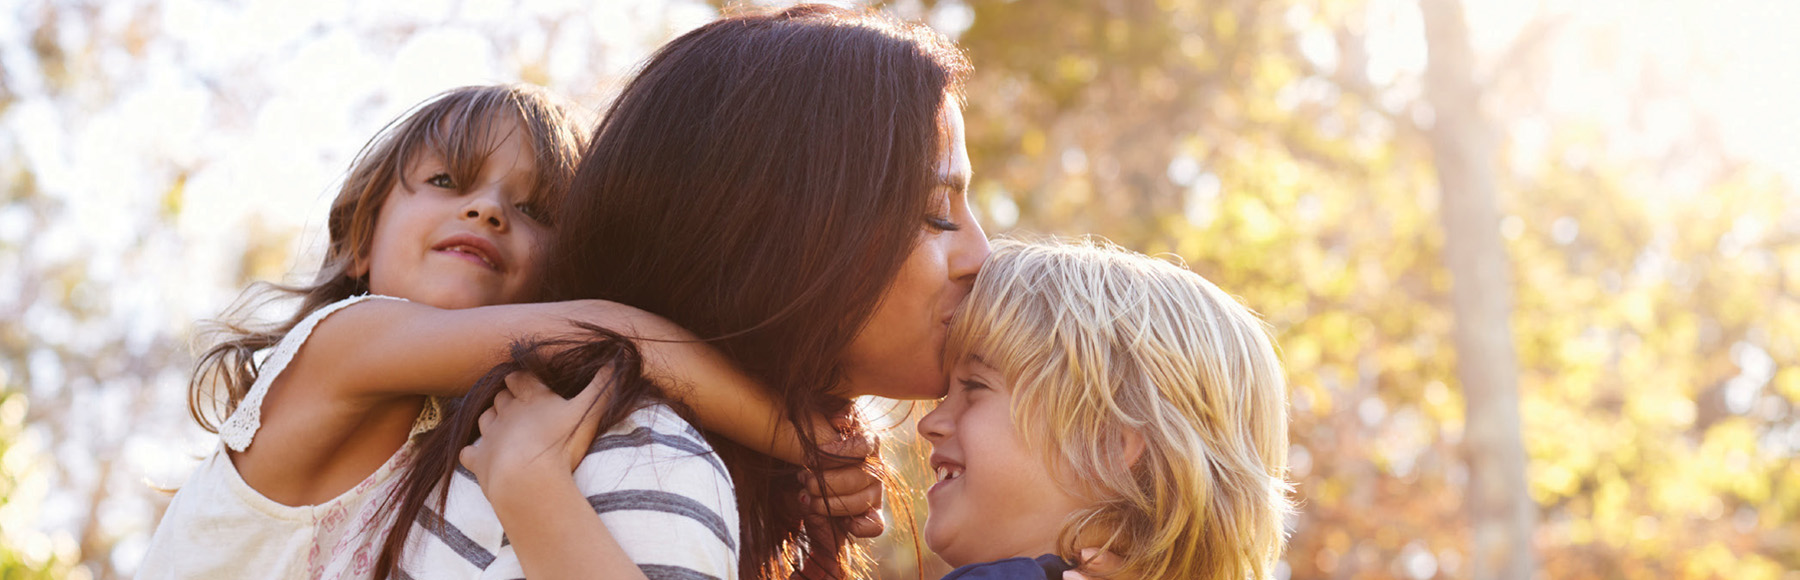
(1285, 150)
(1463, 152)
(155, 158)
(1282, 147)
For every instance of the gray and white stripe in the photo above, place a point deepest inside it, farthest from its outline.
(652, 479)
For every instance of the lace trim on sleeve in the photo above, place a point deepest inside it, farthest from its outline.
(429, 417)
(241, 426)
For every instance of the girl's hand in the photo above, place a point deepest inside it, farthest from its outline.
(851, 490)
(1094, 561)
(531, 432)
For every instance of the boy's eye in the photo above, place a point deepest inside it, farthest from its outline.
(441, 180)
(973, 385)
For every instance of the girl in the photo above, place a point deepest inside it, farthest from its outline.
(790, 184)
(446, 212)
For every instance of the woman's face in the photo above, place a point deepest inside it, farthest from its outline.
(899, 353)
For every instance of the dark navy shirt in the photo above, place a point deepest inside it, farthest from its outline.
(1045, 567)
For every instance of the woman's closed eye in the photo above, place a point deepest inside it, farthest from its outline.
(942, 224)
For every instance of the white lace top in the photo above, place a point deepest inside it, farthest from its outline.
(217, 526)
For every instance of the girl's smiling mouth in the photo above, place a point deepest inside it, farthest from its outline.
(472, 248)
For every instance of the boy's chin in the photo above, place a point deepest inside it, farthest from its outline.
(934, 541)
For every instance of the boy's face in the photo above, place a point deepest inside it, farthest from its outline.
(454, 245)
(995, 498)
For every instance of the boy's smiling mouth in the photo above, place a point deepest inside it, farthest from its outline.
(946, 470)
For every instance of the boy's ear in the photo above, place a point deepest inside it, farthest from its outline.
(1134, 446)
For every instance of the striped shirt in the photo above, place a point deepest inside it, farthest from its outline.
(655, 482)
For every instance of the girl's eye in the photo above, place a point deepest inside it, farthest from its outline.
(973, 385)
(441, 180)
(534, 212)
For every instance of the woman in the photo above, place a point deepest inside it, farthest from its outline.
(792, 186)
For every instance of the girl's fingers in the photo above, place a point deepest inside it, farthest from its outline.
(850, 504)
(469, 456)
(486, 421)
(524, 385)
(867, 525)
(1097, 561)
(601, 383)
(583, 436)
(839, 481)
(854, 446)
(502, 399)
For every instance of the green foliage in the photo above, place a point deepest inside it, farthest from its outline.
(25, 554)
(1656, 324)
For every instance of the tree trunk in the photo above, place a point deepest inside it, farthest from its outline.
(1463, 144)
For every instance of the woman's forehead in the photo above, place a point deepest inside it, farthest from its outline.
(953, 166)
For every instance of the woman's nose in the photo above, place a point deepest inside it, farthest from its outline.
(970, 251)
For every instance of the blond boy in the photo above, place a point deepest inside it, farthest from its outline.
(1105, 399)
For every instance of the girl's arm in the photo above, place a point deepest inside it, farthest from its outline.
(381, 349)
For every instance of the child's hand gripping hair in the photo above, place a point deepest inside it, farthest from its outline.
(532, 440)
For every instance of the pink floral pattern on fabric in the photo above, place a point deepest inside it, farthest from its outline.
(347, 537)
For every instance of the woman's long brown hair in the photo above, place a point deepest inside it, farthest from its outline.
(759, 183)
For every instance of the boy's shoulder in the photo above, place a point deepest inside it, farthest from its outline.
(1045, 567)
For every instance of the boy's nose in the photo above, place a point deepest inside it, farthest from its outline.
(935, 426)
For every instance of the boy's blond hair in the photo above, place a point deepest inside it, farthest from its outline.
(1102, 345)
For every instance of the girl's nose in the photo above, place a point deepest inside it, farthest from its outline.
(483, 208)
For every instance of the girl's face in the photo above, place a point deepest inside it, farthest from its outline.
(460, 245)
(994, 499)
(899, 353)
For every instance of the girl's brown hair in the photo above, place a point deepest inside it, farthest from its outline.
(759, 183)
(457, 125)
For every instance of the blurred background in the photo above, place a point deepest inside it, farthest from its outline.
(1532, 264)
